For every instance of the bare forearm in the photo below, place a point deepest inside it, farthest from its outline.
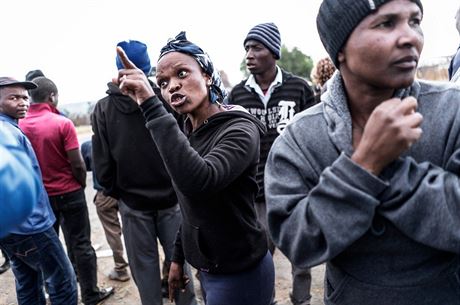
(79, 173)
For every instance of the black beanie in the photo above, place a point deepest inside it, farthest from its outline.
(33, 74)
(338, 18)
(268, 35)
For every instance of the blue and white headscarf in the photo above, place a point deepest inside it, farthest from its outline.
(182, 45)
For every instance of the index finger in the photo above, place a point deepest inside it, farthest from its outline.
(127, 63)
(409, 105)
(171, 293)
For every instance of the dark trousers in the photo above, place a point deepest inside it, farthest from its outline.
(72, 215)
(142, 230)
(250, 287)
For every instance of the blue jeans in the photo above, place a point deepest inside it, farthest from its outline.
(39, 257)
(71, 214)
(250, 287)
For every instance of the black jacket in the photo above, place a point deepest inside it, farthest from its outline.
(276, 115)
(213, 172)
(126, 160)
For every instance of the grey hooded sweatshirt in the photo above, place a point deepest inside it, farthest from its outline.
(387, 240)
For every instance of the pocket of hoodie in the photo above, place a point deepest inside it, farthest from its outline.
(444, 289)
(455, 281)
(334, 292)
(193, 239)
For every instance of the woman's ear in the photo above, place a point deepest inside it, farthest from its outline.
(208, 79)
(341, 57)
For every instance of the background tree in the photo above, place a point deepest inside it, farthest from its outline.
(293, 61)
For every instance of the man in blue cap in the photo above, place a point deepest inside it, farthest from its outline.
(125, 157)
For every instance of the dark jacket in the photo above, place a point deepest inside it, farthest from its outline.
(292, 89)
(213, 172)
(126, 160)
(86, 149)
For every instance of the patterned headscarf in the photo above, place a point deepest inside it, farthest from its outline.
(182, 45)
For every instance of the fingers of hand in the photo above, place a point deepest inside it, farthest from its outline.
(171, 292)
(413, 131)
(127, 63)
(409, 105)
(414, 119)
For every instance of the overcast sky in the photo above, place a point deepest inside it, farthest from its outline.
(73, 42)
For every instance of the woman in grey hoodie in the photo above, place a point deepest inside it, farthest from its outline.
(373, 189)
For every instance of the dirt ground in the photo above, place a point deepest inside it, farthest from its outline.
(126, 293)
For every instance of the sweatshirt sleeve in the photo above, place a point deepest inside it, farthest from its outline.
(103, 163)
(314, 216)
(424, 202)
(192, 173)
(178, 254)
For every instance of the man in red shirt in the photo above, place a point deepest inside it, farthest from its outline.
(54, 139)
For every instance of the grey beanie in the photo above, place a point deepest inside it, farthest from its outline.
(268, 35)
(338, 18)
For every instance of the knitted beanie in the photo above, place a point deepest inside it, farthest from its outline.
(33, 74)
(268, 35)
(137, 53)
(338, 18)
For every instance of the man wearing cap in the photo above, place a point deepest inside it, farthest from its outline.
(274, 96)
(33, 246)
(373, 189)
(129, 168)
(54, 139)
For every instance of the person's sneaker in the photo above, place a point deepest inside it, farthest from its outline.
(121, 276)
(5, 266)
(297, 302)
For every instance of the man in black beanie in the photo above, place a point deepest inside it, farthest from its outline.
(273, 96)
(365, 190)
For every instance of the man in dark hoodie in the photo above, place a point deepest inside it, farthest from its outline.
(129, 168)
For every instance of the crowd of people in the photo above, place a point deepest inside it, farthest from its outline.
(358, 171)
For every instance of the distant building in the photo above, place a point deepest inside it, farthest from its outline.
(434, 68)
(79, 112)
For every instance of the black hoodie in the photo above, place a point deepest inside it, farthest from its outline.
(213, 173)
(126, 160)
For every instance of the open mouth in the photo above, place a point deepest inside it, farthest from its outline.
(177, 100)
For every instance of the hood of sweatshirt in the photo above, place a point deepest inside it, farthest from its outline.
(122, 102)
(231, 112)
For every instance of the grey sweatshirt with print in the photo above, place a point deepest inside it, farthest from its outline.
(392, 239)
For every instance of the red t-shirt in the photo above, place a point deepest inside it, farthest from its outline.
(52, 135)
